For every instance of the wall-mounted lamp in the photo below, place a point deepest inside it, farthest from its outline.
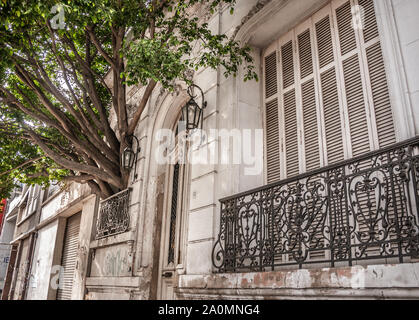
(130, 155)
(193, 112)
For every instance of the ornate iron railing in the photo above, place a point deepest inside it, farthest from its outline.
(114, 215)
(360, 209)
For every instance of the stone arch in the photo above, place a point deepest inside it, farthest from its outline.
(166, 111)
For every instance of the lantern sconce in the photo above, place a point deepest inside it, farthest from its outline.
(130, 157)
(192, 111)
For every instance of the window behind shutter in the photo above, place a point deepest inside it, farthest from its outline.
(308, 103)
(311, 133)
(359, 138)
(287, 65)
(328, 98)
(377, 77)
(305, 54)
(370, 30)
(356, 107)
(271, 116)
(345, 31)
(333, 129)
(271, 82)
(291, 134)
(324, 42)
(272, 141)
(380, 95)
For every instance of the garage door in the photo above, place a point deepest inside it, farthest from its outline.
(69, 257)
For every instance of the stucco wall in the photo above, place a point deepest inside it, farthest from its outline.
(233, 104)
(42, 263)
(61, 200)
(407, 23)
(48, 249)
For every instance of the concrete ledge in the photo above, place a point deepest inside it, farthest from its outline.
(385, 281)
(113, 240)
(113, 282)
(296, 294)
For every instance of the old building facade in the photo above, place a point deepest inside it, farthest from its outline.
(338, 82)
(303, 185)
(47, 232)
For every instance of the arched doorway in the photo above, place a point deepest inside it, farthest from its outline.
(174, 217)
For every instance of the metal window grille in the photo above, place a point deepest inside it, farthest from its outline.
(114, 215)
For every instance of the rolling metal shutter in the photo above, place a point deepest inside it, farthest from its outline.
(330, 90)
(69, 257)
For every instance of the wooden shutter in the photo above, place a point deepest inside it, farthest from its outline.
(346, 32)
(69, 257)
(333, 128)
(311, 132)
(271, 119)
(324, 42)
(380, 96)
(272, 141)
(291, 133)
(271, 82)
(355, 104)
(308, 103)
(376, 74)
(329, 97)
(287, 63)
(327, 100)
(356, 107)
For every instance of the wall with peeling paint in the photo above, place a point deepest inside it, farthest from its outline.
(125, 266)
(368, 282)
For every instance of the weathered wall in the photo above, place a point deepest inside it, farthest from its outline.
(85, 237)
(6, 235)
(63, 200)
(44, 276)
(370, 282)
(20, 270)
(233, 104)
(39, 283)
(237, 105)
(4, 261)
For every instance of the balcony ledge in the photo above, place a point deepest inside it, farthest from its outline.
(355, 277)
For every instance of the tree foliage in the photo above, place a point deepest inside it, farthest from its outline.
(54, 101)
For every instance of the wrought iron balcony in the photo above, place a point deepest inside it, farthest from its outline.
(114, 217)
(361, 209)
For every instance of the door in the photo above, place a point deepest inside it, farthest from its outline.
(172, 226)
(69, 257)
(9, 272)
(173, 223)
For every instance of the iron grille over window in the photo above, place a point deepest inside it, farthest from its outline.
(114, 215)
(360, 209)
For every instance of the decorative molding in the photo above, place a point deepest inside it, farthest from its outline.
(256, 8)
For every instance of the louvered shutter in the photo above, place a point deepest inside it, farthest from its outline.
(271, 82)
(376, 74)
(328, 97)
(310, 158)
(271, 118)
(355, 101)
(289, 109)
(291, 134)
(69, 257)
(311, 133)
(272, 141)
(30, 202)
